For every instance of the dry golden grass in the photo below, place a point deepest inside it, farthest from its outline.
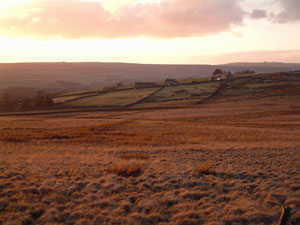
(136, 156)
(204, 169)
(138, 167)
(126, 170)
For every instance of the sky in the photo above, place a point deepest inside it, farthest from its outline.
(150, 31)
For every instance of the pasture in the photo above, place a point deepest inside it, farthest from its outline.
(183, 92)
(158, 97)
(67, 98)
(115, 98)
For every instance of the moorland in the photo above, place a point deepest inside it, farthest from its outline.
(222, 152)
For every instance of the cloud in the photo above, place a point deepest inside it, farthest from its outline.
(88, 19)
(290, 12)
(65, 18)
(286, 56)
(258, 14)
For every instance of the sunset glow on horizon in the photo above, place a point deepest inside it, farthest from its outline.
(150, 31)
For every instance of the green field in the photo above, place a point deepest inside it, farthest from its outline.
(264, 84)
(128, 97)
(93, 91)
(184, 92)
(115, 98)
(81, 93)
(70, 98)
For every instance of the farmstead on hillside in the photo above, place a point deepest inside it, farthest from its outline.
(221, 75)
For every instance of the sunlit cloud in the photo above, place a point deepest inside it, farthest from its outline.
(89, 19)
(149, 31)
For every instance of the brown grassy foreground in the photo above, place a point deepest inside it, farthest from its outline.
(231, 161)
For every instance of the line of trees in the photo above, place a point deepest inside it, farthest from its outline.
(244, 72)
(41, 99)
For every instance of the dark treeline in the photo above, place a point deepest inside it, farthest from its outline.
(40, 100)
(244, 72)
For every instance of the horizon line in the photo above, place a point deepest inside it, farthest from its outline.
(110, 62)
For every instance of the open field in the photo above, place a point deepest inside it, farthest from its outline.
(67, 98)
(183, 92)
(234, 159)
(80, 93)
(264, 85)
(115, 98)
(157, 96)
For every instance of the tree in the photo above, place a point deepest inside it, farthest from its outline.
(218, 71)
(39, 99)
(244, 72)
(26, 103)
(7, 100)
(48, 101)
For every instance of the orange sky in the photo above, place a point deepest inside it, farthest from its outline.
(150, 31)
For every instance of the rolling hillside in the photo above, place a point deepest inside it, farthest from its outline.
(255, 86)
(64, 77)
(234, 159)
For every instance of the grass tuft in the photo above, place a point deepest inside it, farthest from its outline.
(204, 168)
(126, 170)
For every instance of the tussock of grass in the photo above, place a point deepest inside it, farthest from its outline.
(126, 170)
(137, 156)
(204, 168)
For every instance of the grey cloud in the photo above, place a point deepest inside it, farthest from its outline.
(290, 12)
(258, 14)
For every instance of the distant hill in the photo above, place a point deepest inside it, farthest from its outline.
(75, 76)
(266, 67)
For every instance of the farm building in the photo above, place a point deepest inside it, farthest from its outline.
(221, 75)
(144, 85)
(171, 82)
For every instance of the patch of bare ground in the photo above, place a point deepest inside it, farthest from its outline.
(235, 161)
